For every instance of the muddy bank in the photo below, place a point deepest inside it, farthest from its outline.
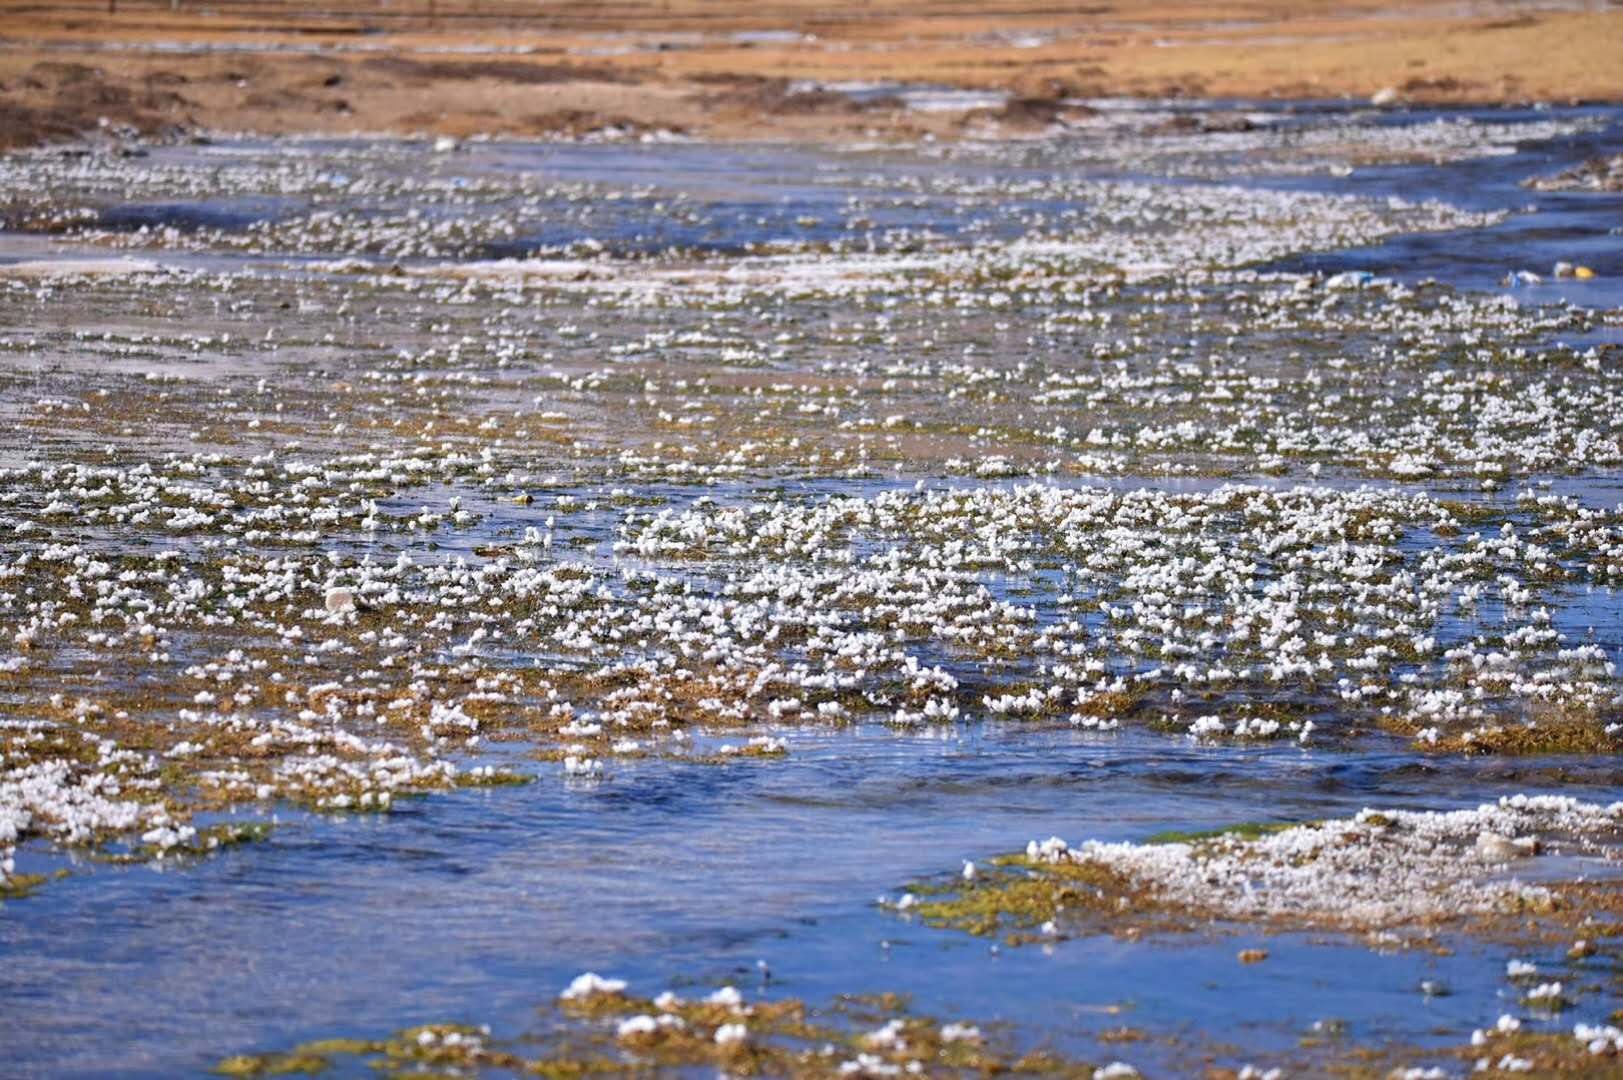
(741, 72)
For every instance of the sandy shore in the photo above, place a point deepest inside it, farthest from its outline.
(726, 69)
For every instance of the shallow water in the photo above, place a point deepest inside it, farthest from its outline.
(479, 905)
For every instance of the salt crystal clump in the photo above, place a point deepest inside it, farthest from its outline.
(1116, 1070)
(727, 996)
(1409, 466)
(1599, 1038)
(869, 1065)
(888, 1037)
(590, 985)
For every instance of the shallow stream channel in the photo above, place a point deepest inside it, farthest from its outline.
(1135, 602)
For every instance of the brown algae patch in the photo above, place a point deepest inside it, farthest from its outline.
(1578, 730)
(598, 1028)
(1505, 1050)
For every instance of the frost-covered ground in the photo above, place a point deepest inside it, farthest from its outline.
(537, 559)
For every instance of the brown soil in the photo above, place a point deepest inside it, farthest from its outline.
(726, 69)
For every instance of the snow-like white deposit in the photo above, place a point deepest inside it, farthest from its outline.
(1375, 870)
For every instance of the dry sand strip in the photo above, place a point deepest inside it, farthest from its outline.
(725, 69)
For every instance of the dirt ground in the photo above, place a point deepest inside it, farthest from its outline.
(728, 69)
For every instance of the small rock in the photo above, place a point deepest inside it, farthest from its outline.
(1495, 848)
